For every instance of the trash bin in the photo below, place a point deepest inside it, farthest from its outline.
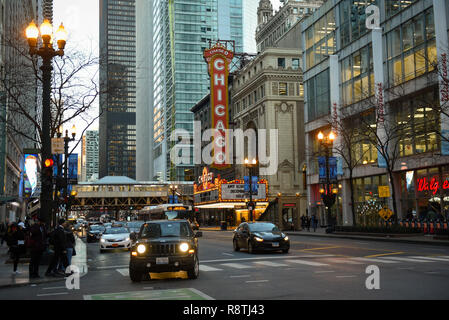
(224, 225)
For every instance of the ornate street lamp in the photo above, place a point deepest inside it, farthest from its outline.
(46, 52)
(251, 165)
(327, 193)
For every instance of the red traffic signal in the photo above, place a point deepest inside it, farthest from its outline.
(48, 163)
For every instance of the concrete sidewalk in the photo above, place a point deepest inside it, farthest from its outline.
(8, 279)
(321, 232)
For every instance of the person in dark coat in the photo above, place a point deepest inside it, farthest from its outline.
(314, 223)
(70, 243)
(60, 252)
(307, 221)
(37, 245)
(16, 243)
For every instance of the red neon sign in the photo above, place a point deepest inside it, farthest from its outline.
(433, 185)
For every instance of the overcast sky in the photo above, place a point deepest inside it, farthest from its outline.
(81, 20)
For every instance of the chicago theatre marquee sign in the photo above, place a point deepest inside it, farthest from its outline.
(219, 58)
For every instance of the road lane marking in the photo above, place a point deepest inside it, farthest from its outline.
(208, 268)
(309, 263)
(242, 276)
(433, 258)
(271, 264)
(383, 254)
(329, 271)
(256, 281)
(236, 265)
(123, 272)
(432, 272)
(111, 267)
(228, 254)
(347, 261)
(52, 288)
(52, 294)
(321, 248)
(407, 259)
(345, 276)
(270, 258)
(375, 260)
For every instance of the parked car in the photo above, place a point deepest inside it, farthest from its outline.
(164, 246)
(115, 238)
(94, 232)
(260, 236)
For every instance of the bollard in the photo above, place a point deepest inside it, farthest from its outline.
(401, 223)
(431, 227)
(438, 225)
(425, 226)
(406, 224)
(413, 224)
(445, 225)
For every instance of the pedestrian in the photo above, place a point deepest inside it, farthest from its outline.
(314, 223)
(303, 223)
(70, 243)
(58, 239)
(3, 229)
(16, 243)
(37, 246)
(307, 220)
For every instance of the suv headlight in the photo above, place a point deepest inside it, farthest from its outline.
(141, 248)
(184, 247)
(286, 238)
(102, 240)
(258, 239)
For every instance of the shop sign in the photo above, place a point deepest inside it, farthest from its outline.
(205, 181)
(290, 205)
(433, 185)
(236, 191)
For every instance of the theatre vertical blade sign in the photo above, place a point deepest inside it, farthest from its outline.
(219, 58)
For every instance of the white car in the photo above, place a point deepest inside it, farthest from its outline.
(115, 238)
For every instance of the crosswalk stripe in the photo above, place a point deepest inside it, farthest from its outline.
(236, 265)
(309, 263)
(271, 264)
(208, 268)
(336, 260)
(406, 259)
(433, 258)
(376, 260)
(123, 272)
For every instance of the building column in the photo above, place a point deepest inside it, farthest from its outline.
(346, 202)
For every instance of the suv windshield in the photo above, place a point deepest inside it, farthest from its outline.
(166, 229)
(263, 227)
(96, 227)
(116, 230)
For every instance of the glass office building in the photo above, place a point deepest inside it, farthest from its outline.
(181, 31)
(410, 81)
(117, 128)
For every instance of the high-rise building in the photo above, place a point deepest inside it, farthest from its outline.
(89, 156)
(177, 74)
(18, 133)
(118, 88)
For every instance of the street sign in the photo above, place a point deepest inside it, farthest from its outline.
(385, 213)
(333, 169)
(384, 191)
(57, 145)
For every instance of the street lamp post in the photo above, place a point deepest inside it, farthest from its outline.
(251, 205)
(67, 139)
(46, 52)
(327, 194)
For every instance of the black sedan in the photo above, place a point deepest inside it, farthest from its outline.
(94, 232)
(260, 236)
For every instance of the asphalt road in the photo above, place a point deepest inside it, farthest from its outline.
(315, 268)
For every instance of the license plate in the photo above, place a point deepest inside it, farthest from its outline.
(163, 260)
(115, 245)
(275, 244)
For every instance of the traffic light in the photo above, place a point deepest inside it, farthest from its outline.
(48, 173)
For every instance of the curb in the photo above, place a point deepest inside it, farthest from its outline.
(354, 237)
(12, 285)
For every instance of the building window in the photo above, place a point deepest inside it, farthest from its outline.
(282, 88)
(411, 49)
(295, 64)
(394, 6)
(281, 63)
(318, 95)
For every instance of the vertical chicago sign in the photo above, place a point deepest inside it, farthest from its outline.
(219, 58)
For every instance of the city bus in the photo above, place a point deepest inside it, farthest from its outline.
(166, 212)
